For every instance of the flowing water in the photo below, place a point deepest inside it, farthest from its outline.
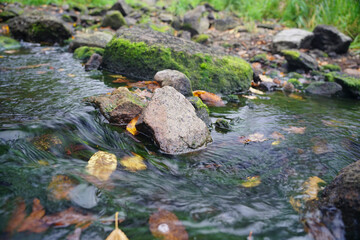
(203, 188)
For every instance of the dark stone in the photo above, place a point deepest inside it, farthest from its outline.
(40, 28)
(299, 60)
(122, 7)
(222, 124)
(195, 20)
(226, 24)
(267, 86)
(94, 62)
(324, 88)
(330, 39)
(113, 19)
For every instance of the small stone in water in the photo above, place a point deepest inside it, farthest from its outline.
(164, 228)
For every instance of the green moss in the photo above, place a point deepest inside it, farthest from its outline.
(294, 55)
(329, 77)
(201, 38)
(162, 28)
(331, 67)
(84, 53)
(67, 18)
(7, 43)
(259, 58)
(295, 75)
(137, 59)
(295, 82)
(347, 81)
(38, 29)
(199, 105)
(113, 19)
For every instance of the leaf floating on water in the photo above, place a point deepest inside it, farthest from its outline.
(251, 182)
(296, 97)
(17, 217)
(101, 165)
(40, 72)
(117, 234)
(61, 70)
(275, 143)
(277, 136)
(320, 146)
(131, 127)
(11, 51)
(208, 98)
(69, 217)
(45, 142)
(311, 188)
(134, 163)
(295, 203)
(249, 97)
(255, 91)
(165, 225)
(297, 130)
(60, 186)
(257, 137)
(332, 123)
(43, 163)
(71, 75)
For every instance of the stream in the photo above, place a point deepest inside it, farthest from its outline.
(203, 189)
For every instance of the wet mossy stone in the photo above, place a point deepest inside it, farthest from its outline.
(84, 53)
(260, 58)
(202, 111)
(222, 125)
(349, 83)
(201, 38)
(299, 60)
(6, 15)
(295, 82)
(324, 88)
(113, 19)
(39, 27)
(331, 67)
(141, 53)
(7, 43)
(96, 39)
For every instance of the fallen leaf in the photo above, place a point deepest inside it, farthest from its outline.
(17, 217)
(311, 188)
(117, 234)
(244, 140)
(166, 226)
(332, 123)
(297, 130)
(275, 143)
(277, 82)
(257, 137)
(45, 142)
(264, 78)
(320, 146)
(121, 80)
(71, 75)
(5, 30)
(131, 128)
(69, 217)
(208, 98)
(43, 163)
(61, 70)
(30, 66)
(297, 97)
(117, 76)
(133, 163)
(277, 135)
(1, 56)
(255, 91)
(251, 182)
(249, 97)
(101, 165)
(11, 51)
(60, 186)
(270, 57)
(295, 203)
(40, 72)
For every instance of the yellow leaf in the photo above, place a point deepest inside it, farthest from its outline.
(264, 78)
(134, 163)
(101, 165)
(251, 182)
(131, 126)
(296, 97)
(311, 188)
(255, 91)
(275, 143)
(249, 97)
(208, 98)
(257, 137)
(117, 234)
(71, 75)
(296, 204)
(1, 56)
(43, 163)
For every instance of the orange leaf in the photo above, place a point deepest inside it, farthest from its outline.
(131, 126)
(68, 217)
(210, 99)
(60, 186)
(34, 222)
(17, 217)
(165, 225)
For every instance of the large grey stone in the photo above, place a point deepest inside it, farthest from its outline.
(39, 27)
(172, 120)
(96, 39)
(330, 39)
(195, 20)
(226, 23)
(292, 39)
(174, 79)
(324, 88)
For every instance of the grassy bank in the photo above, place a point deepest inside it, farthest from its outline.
(344, 14)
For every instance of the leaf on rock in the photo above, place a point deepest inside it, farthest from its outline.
(165, 225)
(45, 142)
(131, 127)
(209, 99)
(251, 182)
(101, 165)
(60, 186)
(117, 234)
(311, 188)
(134, 163)
(277, 136)
(255, 91)
(264, 78)
(249, 97)
(69, 217)
(297, 130)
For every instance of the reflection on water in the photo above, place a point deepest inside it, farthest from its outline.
(47, 131)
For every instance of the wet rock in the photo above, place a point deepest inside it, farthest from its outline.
(84, 53)
(84, 196)
(267, 86)
(120, 107)
(330, 39)
(324, 88)
(97, 12)
(94, 62)
(344, 193)
(39, 27)
(96, 39)
(226, 23)
(174, 79)
(292, 39)
(11, 11)
(130, 21)
(122, 7)
(202, 111)
(331, 68)
(141, 53)
(7, 43)
(173, 122)
(186, 35)
(222, 124)
(6, 15)
(166, 17)
(201, 38)
(288, 87)
(113, 19)
(350, 84)
(299, 60)
(352, 72)
(195, 20)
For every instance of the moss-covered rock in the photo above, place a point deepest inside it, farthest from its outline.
(113, 19)
(96, 39)
(295, 75)
(299, 60)
(6, 15)
(162, 28)
(201, 38)
(295, 82)
(331, 67)
(260, 58)
(84, 53)
(140, 53)
(202, 111)
(350, 84)
(39, 27)
(7, 43)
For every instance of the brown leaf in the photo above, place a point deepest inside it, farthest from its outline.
(68, 217)
(60, 186)
(17, 217)
(165, 225)
(210, 99)
(320, 146)
(277, 136)
(297, 130)
(117, 234)
(34, 222)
